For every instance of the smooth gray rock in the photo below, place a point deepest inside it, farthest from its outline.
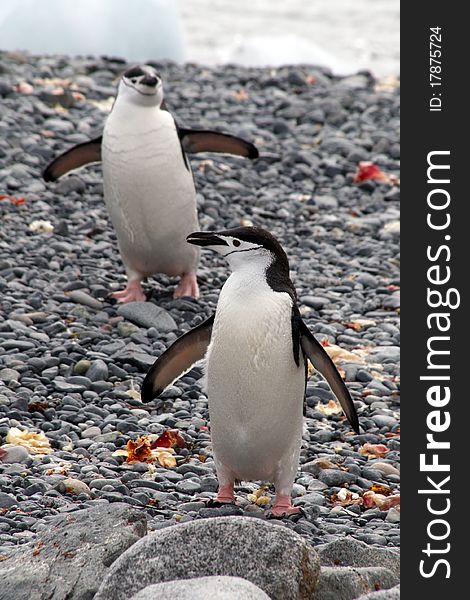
(203, 588)
(384, 420)
(311, 498)
(347, 583)
(367, 280)
(353, 553)
(91, 432)
(7, 500)
(381, 353)
(7, 375)
(81, 297)
(65, 387)
(326, 202)
(13, 454)
(148, 315)
(315, 301)
(393, 516)
(335, 477)
(98, 371)
(272, 557)
(317, 465)
(70, 184)
(71, 556)
(390, 594)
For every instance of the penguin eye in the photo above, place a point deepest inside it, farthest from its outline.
(236, 243)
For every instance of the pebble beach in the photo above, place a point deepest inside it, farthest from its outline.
(72, 360)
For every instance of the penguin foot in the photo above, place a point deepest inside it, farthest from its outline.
(132, 293)
(187, 287)
(282, 507)
(214, 503)
(225, 495)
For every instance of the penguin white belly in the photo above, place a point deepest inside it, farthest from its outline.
(255, 388)
(149, 192)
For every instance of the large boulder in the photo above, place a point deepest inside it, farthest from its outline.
(71, 557)
(348, 552)
(269, 555)
(348, 583)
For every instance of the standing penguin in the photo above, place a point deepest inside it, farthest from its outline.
(148, 185)
(256, 348)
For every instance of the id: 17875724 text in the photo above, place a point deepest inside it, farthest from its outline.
(435, 68)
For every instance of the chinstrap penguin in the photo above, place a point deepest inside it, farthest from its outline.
(256, 347)
(148, 184)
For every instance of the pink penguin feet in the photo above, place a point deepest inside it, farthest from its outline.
(187, 286)
(132, 293)
(225, 495)
(282, 507)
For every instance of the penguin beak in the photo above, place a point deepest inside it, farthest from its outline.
(201, 238)
(149, 80)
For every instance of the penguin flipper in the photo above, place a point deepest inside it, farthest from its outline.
(315, 352)
(78, 156)
(177, 360)
(201, 140)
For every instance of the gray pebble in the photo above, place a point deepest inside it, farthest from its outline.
(8, 375)
(98, 371)
(335, 477)
(7, 500)
(384, 421)
(148, 315)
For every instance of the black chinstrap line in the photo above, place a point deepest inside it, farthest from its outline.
(246, 250)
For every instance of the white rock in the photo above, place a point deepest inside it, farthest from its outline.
(203, 588)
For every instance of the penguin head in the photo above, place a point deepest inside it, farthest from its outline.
(244, 247)
(141, 85)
